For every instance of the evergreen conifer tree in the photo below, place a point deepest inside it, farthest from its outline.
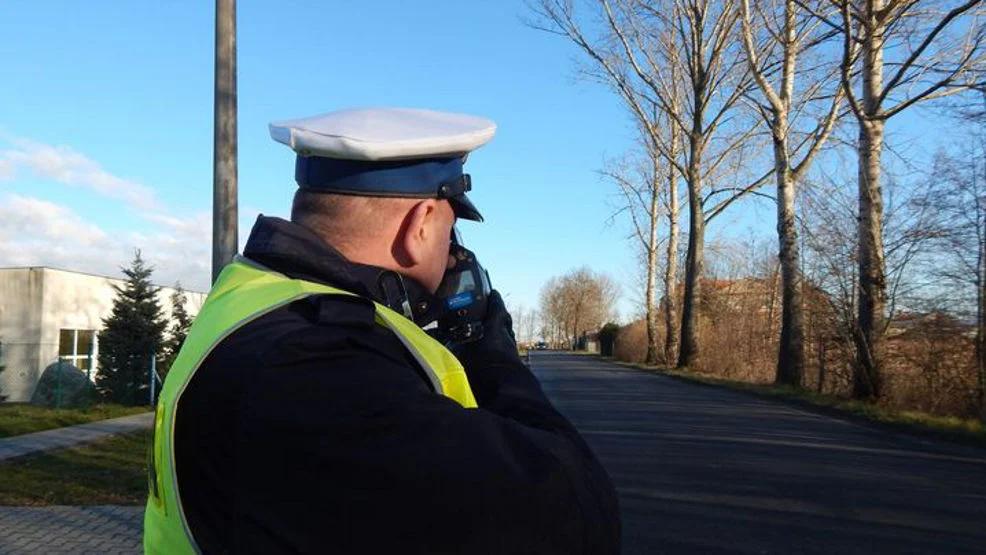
(131, 336)
(181, 322)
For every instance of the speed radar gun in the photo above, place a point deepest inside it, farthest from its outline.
(464, 292)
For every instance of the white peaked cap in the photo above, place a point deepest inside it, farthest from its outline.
(378, 134)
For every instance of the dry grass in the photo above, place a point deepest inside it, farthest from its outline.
(929, 366)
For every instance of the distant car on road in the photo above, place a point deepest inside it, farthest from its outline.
(541, 345)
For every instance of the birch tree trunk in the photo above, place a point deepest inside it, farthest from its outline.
(791, 355)
(671, 267)
(872, 278)
(695, 261)
(763, 46)
(981, 326)
(980, 220)
(979, 205)
(655, 186)
(791, 351)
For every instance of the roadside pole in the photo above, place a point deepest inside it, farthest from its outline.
(153, 380)
(89, 385)
(58, 384)
(224, 174)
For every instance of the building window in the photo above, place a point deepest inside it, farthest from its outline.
(76, 346)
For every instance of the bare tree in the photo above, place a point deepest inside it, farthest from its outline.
(959, 196)
(531, 324)
(639, 184)
(931, 50)
(518, 314)
(552, 311)
(829, 226)
(525, 323)
(640, 190)
(775, 37)
(682, 56)
(671, 329)
(578, 302)
(829, 262)
(648, 191)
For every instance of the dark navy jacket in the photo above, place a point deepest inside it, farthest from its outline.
(313, 430)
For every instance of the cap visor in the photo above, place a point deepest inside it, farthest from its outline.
(464, 208)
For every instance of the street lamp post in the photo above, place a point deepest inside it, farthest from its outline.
(224, 178)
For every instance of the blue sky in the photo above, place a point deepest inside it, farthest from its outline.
(106, 128)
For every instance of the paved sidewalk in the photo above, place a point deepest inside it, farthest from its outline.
(71, 436)
(96, 529)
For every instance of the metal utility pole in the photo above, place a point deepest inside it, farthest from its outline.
(224, 191)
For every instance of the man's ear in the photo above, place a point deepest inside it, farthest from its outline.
(411, 248)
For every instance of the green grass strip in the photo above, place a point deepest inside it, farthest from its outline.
(111, 472)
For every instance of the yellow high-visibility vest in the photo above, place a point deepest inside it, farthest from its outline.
(244, 292)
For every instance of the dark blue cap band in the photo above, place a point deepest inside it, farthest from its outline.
(399, 178)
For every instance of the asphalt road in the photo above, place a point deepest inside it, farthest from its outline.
(705, 470)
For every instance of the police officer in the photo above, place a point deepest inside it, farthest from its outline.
(309, 412)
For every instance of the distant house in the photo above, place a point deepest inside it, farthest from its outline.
(47, 315)
(907, 324)
(753, 295)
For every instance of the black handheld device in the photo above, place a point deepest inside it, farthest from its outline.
(465, 292)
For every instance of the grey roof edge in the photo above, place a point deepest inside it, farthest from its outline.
(92, 274)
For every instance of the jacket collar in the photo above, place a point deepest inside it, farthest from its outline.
(298, 253)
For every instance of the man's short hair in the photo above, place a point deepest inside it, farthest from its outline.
(347, 218)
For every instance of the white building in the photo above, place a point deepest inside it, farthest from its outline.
(48, 314)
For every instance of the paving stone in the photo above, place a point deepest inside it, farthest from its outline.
(70, 530)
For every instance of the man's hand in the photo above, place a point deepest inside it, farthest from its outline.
(497, 345)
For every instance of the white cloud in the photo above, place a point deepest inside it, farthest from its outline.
(36, 232)
(196, 226)
(180, 249)
(36, 219)
(67, 166)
